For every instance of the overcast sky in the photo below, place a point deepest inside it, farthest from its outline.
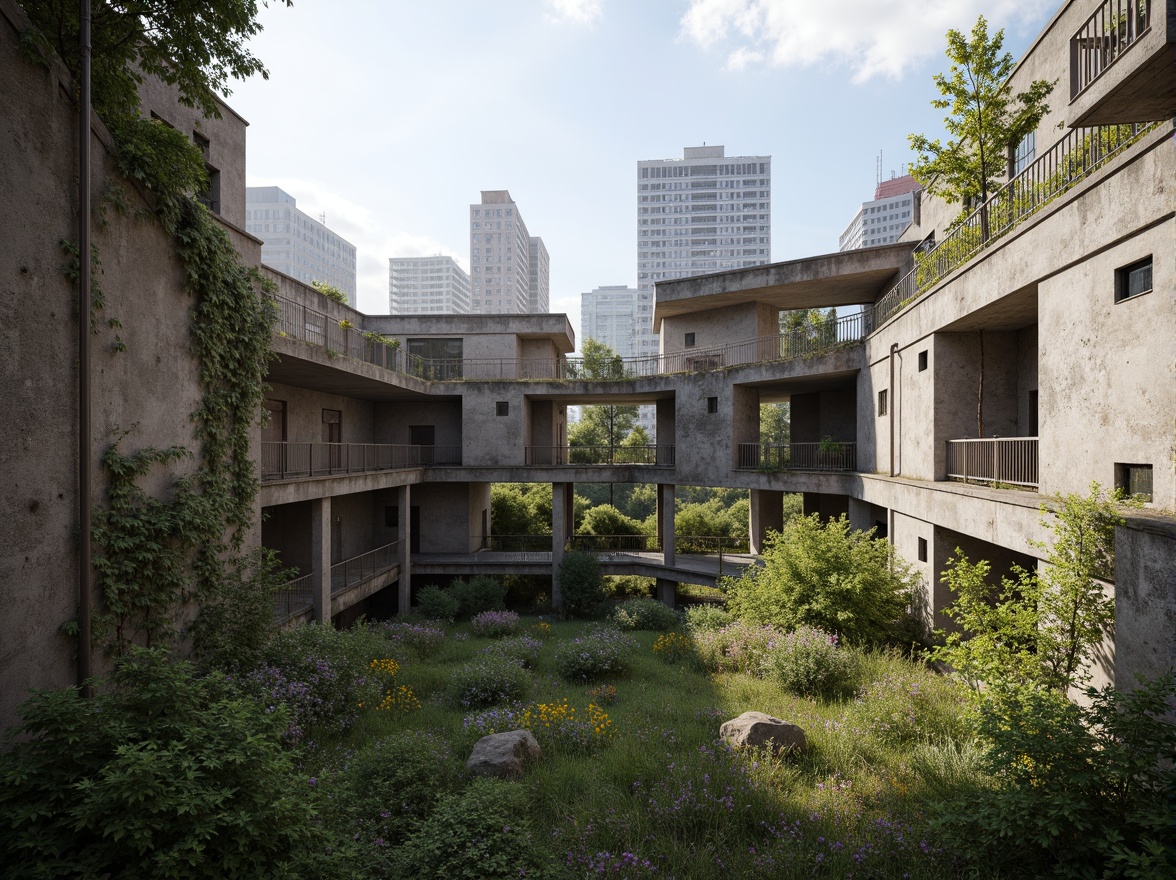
(391, 116)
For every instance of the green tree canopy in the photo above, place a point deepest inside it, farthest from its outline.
(197, 47)
(985, 119)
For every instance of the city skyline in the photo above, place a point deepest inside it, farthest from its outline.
(607, 85)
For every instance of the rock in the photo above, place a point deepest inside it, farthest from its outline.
(756, 729)
(503, 754)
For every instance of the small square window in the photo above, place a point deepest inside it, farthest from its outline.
(502, 408)
(922, 361)
(1135, 480)
(922, 549)
(1133, 280)
(712, 404)
(690, 340)
(882, 401)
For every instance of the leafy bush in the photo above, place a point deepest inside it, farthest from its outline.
(480, 834)
(478, 594)
(646, 614)
(385, 791)
(236, 621)
(707, 617)
(437, 604)
(673, 647)
(322, 674)
(807, 661)
(495, 624)
(488, 681)
(523, 650)
(1078, 791)
(832, 577)
(581, 585)
(162, 774)
(737, 647)
(599, 651)
(418, 639)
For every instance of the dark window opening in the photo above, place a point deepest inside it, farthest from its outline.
(1135, 480)
(712, 404)
(922, 361)
(690, 340)
(1133, 280)
(502, 408)
(922, 549)
(883, 403)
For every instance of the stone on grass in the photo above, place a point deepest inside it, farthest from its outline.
(757, 729)
(503, 754)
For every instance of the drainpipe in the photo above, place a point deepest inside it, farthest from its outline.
(893, 404)
(84, 549)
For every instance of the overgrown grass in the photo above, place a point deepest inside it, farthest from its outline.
(660, 796)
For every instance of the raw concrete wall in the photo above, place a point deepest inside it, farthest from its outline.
(392, 421)
(446, 526)
(716, 327)
(304, 415)
(1145, 601)
(286, 529)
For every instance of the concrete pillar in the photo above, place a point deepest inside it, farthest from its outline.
(861, 515)
(767, 512)
(403, 546)
(562, 525)
(666, 591)
(320, 556)
(665, 521)
(939, 594)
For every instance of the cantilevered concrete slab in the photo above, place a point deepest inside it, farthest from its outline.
(842, 279)
(554, 327)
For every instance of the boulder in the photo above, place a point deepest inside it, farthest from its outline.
(503, 754)
(757, 729)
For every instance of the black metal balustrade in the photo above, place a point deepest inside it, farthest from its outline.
(280, 461)
(1109, 32)
(826, 455)
(650, 455)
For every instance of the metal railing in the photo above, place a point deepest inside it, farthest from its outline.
(353, 572)
(570, 456)
(282, 460)
(712, 545)
(615, 543)
(294, 598)
(298, 321)
(1113, 28)
(822, 456)
(1009, 460)
(1081, 152)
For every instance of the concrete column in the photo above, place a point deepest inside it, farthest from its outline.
(320, 556)
(562, 499)
(767, 512)
(861, 514)
(939, 595)
(667, 591)
(403, 544)
(665, 521)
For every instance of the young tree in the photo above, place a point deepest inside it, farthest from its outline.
(984, 121)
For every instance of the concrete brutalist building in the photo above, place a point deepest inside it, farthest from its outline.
(385, 433)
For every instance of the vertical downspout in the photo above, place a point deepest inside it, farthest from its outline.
(84, 501)
(893, 404)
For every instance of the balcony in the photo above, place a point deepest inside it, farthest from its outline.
(296, 597)
(1114, 28)
(827, 455)
(1007, 461)
(606, 456)
(285, 461)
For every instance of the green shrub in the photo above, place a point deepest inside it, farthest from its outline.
(437, 604)
(488, 681)
(737, 647)
(1076, 791)
(162, 774)
(478, 594)
(384, 793)
(495, 624)
(236, 621)
(581, 585)
(807, 661)
(646, 614)
(523, 650)
(598, 652)
(417, 639)
(827, 575)
(701, 618)
(480, 834)
(322, 674)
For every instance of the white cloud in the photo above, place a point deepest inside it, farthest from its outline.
(584, 12)
(872, 37)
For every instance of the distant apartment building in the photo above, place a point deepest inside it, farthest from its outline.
(703, 213)
(427, 286)
(502, 257)
(883, 220)
(295, 243)
(609, 315)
